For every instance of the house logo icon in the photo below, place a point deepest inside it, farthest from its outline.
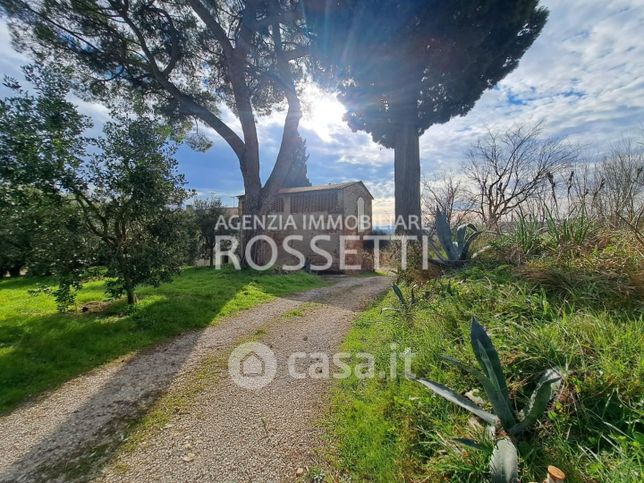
(252, 365)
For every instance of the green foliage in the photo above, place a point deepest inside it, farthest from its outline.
(119, 205)
(395, 428)
(63, 247)
(568, 242)
(21, 216)
(572, 230)
(41, 135)
(526, 240)
(134, 205)
(186, 223)
(207, 215)
(414, 80)
(41, 348)
(40, 140)
(179, 60)
(405, 305)
(84, 36)
(456, 246)
(480, 46)
(605, 271)
(504, 458)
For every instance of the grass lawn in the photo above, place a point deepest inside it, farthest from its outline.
(395, 430)
(41, 348)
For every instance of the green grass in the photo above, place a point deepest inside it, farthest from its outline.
(394, 429)
(41, 348)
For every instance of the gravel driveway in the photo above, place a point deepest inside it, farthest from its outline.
(224, 433)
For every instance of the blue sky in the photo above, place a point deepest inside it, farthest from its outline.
(583, 78)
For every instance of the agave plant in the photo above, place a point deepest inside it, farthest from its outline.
(456, 246)
(406, 304)
(504, 463)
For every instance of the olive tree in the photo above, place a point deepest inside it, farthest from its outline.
(131, 196)
(125, 194)
(208, 215)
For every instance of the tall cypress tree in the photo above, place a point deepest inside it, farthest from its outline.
(402, 66)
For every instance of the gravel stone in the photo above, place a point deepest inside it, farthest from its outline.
(234, 434)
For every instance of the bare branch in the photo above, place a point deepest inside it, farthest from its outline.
(509, 168)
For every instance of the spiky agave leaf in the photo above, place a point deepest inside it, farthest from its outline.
(440, 260)
(459, 400)
(494, 382)
(492, 393)
(487, 355)
(470, 443)
(444, 234)
(547, 386)
(465, 235)
(461, 233)
(504, 465)
(473, 371)
(437, 252)
(468, 243)
(399, 294)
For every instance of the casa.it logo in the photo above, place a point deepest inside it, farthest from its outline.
(252, 365)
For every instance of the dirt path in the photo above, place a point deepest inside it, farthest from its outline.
(226, 433)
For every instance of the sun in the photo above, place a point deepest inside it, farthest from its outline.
(322, 113)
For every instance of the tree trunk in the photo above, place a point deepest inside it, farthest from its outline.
(407, 179)
(15, 271)
(212, 256)
(290, 136)
(131, 296)
(287, 153)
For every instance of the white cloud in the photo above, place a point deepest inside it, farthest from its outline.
(583, 78)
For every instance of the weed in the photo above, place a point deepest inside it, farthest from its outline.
(504, 464)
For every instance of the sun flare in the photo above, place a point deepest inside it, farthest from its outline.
(322, 113)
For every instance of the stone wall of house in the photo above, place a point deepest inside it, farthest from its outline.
(303, 206)
(352, 196)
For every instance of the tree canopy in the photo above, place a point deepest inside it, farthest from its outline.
(182, 60)
(117, 205)
(402, 66)
(41, 139)
(207, 213)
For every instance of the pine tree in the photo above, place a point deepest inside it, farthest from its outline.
(403, 66)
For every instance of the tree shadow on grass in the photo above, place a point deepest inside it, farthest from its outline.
(40, 352)
(84, 431)
(46, 351)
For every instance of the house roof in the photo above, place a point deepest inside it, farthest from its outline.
(323, 187)
(319, 187)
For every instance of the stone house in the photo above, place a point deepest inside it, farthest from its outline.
(334, 210)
